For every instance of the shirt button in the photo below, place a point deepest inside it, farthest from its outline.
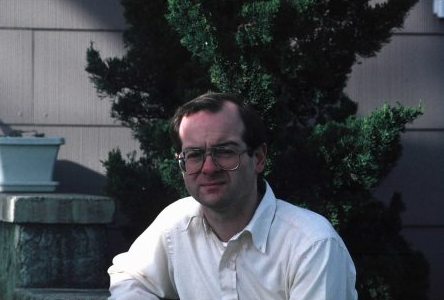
(232, 265)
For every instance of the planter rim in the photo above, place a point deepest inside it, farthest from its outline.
(18, 140)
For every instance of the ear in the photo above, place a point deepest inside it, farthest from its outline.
(260, 155)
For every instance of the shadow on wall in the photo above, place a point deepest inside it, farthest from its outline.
(75, 178)
(105, 13)
(6, 130)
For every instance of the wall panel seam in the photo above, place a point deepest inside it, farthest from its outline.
(69, 125)
(33, 76)
(424, 130)
(418, 34)
(62, 29)
(423, 226)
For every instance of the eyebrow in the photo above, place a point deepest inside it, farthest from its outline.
(224, 144)
(219, 145)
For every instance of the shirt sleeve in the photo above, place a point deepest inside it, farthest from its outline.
(325, 271)
(144, 272)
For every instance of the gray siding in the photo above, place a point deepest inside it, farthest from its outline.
(410, 70)
(43, 85)
(62, 14)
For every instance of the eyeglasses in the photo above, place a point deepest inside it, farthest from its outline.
(192, 160)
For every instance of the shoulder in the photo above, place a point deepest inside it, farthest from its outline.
(185, 206)
(300, 225)
(178, 215)
(304, 225)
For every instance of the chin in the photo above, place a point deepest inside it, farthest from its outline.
(212, 201)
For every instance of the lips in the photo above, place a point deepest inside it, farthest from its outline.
(211, 184)
(208, 185)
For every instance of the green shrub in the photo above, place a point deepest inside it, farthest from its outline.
(291, 60)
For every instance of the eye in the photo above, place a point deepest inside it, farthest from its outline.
(193, 155)
(224, 152)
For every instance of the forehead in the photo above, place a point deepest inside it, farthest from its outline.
(205, 128)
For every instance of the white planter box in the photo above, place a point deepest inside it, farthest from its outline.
(438, 8)
(27, 163)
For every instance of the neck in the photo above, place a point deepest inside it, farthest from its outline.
(228, 222)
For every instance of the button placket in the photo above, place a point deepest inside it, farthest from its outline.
(227, 272)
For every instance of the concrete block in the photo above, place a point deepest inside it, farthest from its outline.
(44, 255)
(63, 256)
(61, 294)
(56, 209)
(54, 240)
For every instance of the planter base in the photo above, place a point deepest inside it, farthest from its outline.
(35, 186)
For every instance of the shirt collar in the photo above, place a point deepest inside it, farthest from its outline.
(260, 224)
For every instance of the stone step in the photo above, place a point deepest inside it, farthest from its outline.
(60, 294)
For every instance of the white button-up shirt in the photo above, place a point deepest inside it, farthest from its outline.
(285, 252)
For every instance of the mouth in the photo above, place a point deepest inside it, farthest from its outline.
(211, 184)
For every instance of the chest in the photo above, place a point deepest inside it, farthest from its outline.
(205, 269)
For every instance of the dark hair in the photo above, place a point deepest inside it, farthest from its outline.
(255, 131)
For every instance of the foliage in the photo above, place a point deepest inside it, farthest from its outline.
(7, 131)
(289, 59)
(351, 158)
(135, 184)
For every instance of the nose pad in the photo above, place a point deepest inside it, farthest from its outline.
(209, 166)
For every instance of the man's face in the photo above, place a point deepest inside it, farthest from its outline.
(213, 187)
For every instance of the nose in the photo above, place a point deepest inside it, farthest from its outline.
(208, 165)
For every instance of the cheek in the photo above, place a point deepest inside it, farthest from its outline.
(248, 172)
(189, 181)
(188, 186)
(186, 179)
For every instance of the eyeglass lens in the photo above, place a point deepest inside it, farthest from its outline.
(191, 161)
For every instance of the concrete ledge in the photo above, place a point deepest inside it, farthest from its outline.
(61, 294)
(56, 208)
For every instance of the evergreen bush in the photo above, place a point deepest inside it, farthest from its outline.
(291, 60)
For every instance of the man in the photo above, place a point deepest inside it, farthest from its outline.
(232, 239)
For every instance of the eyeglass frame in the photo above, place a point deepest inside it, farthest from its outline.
(209, 151)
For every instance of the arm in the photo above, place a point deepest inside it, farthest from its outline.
(128, 289)
(325, 271)
(144, 272)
